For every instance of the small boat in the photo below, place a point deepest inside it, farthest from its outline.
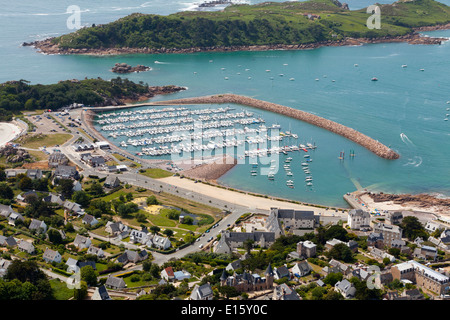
(226, 78)
(404, 65)
(422, 69)
(271, 176)
(306, 156)
(289, 173)
(309, 184)
(374, 79)
(355, 64)
(291, 79)
(304, 164)
(288, 159)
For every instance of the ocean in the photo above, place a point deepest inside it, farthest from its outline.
(405, 109)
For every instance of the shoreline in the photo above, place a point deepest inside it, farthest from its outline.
(47, 47)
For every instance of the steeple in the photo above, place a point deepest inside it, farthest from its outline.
(269, 271)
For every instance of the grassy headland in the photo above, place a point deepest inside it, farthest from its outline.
(269, 23)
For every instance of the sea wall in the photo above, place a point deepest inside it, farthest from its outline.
(373, 145)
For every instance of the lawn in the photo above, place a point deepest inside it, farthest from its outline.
(40, 140)
(156, 173)
(60, 290)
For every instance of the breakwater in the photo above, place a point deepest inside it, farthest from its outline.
(363, 140)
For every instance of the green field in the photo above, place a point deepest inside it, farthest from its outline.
(48, 140)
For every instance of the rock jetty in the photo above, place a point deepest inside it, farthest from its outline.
(373, 145)
(126, 68)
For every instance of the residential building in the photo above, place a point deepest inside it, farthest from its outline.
(57, 158)
(284, 292)
(306, 249)
(168, 274)
(389, 232)
(34, 174)
(340, 267)
(73, 208)
(425, 252)
(132, 257)
(4, 265)
(282, 272)
(432, 226)
(358, 219)
(233, 266)
(5, 210)
(54, 198)
(423, 276)
(7, 241)
(66, 172)
(111, 182)
(301, 269)
(395, 217)
(345, 288)
(376, 240)
(89, 220)
(101, 293)
(116, 229)
(294, 219)
(203, 292)
(14, 217)
(51, 256)
(82, 242)
(246, 282)
(115, 283)
(26, 246)
(232, 240)
(161, 243)
(38, 226)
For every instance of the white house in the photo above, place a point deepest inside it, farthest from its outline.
(345, 288)
(38, 225)
(203, 292)
(301, 268)
(89, 220)
(358, 219)
(82, 242)
(161, 243)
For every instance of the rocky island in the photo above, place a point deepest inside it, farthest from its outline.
(126, 68)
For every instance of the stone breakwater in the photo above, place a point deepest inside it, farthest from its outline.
(373, 145)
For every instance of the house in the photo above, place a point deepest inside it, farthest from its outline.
(203, 292)
(376, 240)
(4, 264)
(61, 232)
(82, 242)
(281, 272)
(284, 292)
(395, 217)
(34, 173)
(7, 241)
(111, 182)
(132, 257)
(234, 265)
(102, 145)
(306, 249)
(12, 173)
(97, 161)
(413, 294)
(95, 251)
(26, 246)
(115, 283)
(77, 186)
(425, 252)
(14, 217)
(101, 293)
(353, 245)
(293, 219)
(181, 275)
(168, 274)
(25, 197)
(72, 265)
(57, 158)
(381, 254)
(142, 237)
(301, 269)
(358, 219)
(83, 147)
(345, 288)
(361, 274)
(432, 226)
(72, 207)
(51, 256)
(5, 210)
(422, 276)
(66, 172)
(340, 267)
(89, 220)
(161, 243)
(54, 198)
(38, 226)
(116, 228)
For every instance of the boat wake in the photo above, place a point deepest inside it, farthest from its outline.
(405, 139)
(415, 162)
(159, 62)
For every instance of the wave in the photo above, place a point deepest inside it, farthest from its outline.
(159, 62)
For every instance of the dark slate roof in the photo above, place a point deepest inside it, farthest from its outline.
(104, 295)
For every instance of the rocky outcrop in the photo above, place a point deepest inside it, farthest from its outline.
(14, 155)
(126, 68)
(420, 200)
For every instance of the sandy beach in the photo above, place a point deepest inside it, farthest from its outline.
(252, 202)
(8, 132)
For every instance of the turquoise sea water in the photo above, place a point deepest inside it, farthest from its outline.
(404, 109)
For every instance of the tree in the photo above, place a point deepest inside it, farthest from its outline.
(341, 252)
(89, 275)
(333, 278)
(82, 198)
(168, 232)
(412, 228)
(96, 189)
(25, 183)
(54, 236)
(336, 232)
(317, 293)
(81, 293)
(228, 291)
(65, 187)
(152, 200)
(155, 229)
(248, 245)
(5, 191)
